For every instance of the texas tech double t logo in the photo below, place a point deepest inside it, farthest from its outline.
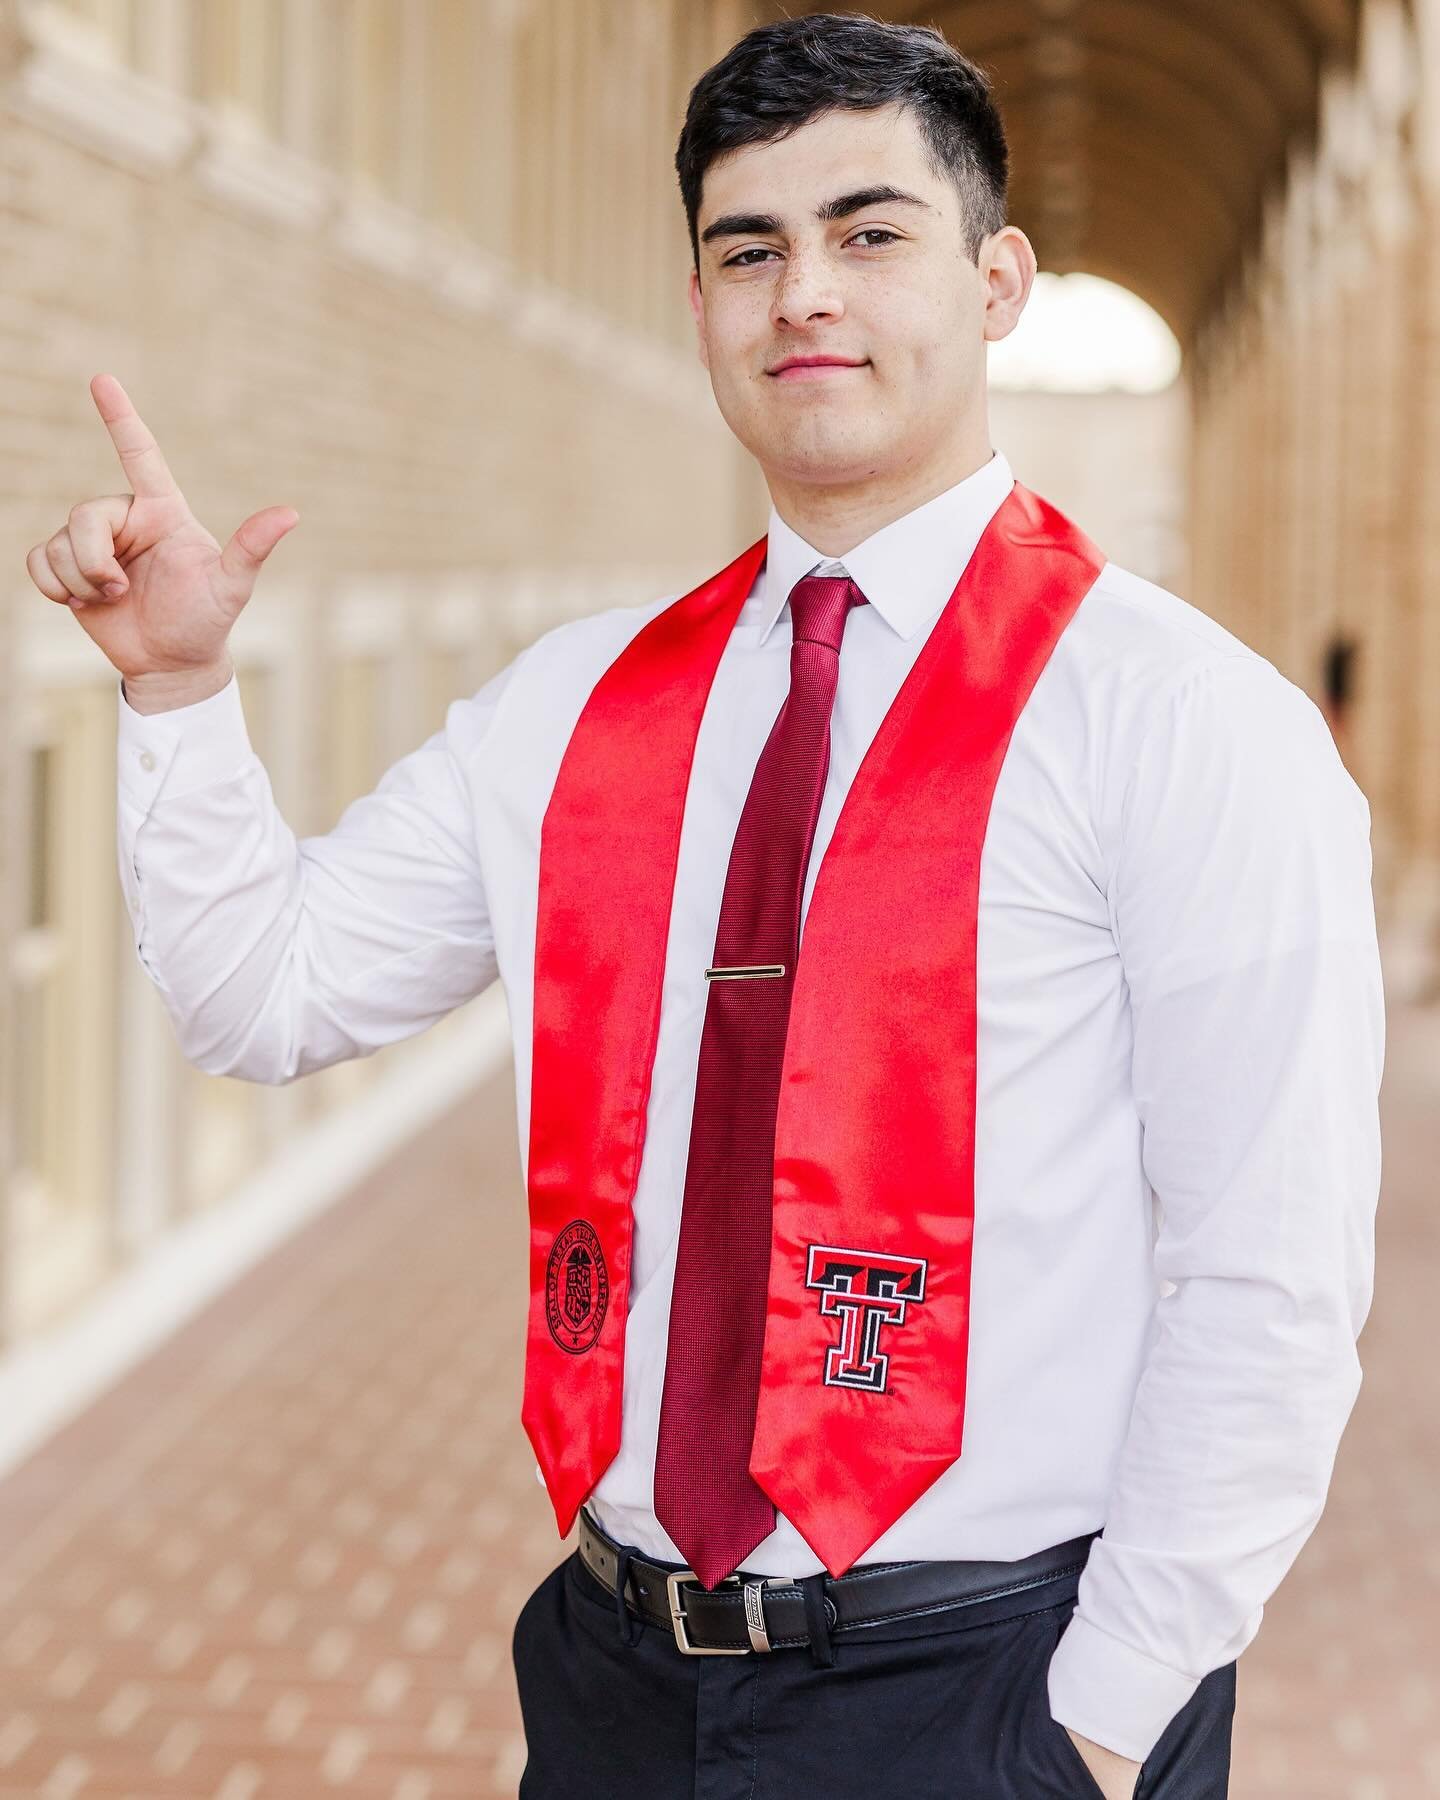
(864, 1289)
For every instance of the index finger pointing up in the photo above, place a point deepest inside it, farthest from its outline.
(140, 457)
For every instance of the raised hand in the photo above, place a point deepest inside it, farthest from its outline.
(144, 577)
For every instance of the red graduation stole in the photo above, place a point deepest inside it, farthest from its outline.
(867, 1330)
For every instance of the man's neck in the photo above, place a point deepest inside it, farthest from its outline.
(836, 519)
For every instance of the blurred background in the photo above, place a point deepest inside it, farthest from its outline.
(417, 267)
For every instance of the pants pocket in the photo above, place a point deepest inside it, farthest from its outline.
(1084, 1781)
(1064, 1766)
(1191, 1758)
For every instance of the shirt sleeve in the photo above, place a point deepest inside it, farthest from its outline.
(277, 956)
(1241, 903)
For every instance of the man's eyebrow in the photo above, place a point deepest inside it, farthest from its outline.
(759, 224)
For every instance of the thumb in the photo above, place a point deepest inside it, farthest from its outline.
(252, 542)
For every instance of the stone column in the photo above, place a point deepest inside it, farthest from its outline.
(492, 125)
(1420, 627)
(1423, 637)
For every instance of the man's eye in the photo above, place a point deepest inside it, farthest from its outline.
(872, 231)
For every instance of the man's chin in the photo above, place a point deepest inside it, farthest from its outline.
(815, 467)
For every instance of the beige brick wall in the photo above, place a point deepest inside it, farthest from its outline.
(1312, 501)
(366, 261)
(408, 435)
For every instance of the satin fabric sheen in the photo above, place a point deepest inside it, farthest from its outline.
(875, 1130)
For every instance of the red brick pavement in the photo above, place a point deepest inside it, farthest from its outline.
(260, 1567)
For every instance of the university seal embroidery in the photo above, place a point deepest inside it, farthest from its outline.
(577, 1288)
(864, 1289)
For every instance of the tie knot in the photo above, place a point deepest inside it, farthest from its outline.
(819, 607)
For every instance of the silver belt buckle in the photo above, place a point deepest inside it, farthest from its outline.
(754, 1613)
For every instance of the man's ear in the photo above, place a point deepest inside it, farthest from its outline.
(697, 307)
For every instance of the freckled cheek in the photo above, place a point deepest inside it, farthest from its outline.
(738, 349)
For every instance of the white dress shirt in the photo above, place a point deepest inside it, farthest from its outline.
(1180, 1042)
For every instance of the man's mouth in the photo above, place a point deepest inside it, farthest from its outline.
(811, 368)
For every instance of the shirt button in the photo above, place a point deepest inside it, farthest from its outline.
(147, 759)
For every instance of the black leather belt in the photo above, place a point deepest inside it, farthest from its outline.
(746, 1613)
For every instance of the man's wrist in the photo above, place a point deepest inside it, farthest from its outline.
(165, 690)
(1122, 1697)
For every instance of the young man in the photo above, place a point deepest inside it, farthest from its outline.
(942, 1330)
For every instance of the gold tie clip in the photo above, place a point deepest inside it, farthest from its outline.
(745, 972)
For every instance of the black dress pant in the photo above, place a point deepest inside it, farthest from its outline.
(950, 1705)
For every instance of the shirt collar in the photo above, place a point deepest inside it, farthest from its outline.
(907, 569)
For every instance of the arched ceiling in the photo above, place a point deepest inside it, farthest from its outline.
(1145, 133)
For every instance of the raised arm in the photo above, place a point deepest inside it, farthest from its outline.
(274, 957)
(277, 956)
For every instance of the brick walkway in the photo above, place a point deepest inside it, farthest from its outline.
(257, 1570)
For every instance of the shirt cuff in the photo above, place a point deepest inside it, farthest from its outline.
(178, 751)
(1111, 1693)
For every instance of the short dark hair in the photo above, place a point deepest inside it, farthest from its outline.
(780, 75)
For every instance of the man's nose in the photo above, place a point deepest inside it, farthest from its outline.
(808, 287)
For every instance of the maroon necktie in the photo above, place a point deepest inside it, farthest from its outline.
(704, 1495)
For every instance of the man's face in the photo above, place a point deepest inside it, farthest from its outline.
(887, 287)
